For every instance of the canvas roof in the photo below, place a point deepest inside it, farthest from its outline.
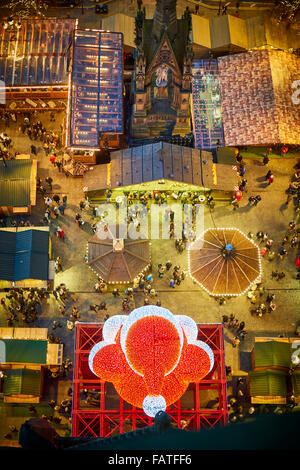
(268, 382)
(24, 255)
(272, 353)
(22, 382)
(23, 351)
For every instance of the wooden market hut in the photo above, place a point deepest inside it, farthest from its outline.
(271, 354)
(17, 186)
(22, 386)
(25, 254)
(161, 166)
(268, 386)
(25, 355)
(295, 377)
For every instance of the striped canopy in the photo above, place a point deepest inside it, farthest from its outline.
(224, 261)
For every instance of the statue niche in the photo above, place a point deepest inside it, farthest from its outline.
(161, 82)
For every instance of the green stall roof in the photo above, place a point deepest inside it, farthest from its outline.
(23, 351)
(22, 382)
(15, 183)
(272, 353)
(296, 382)
(268, 382)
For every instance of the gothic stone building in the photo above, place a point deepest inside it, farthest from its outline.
(162, 77)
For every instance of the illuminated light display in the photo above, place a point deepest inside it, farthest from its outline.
(151, 356)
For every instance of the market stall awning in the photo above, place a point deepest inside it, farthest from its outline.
(224, 261)
(118, 260)
(96, 98)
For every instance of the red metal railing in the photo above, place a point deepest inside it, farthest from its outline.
(113, 415)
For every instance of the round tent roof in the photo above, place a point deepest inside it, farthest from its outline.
(224, 261)
(116, 259)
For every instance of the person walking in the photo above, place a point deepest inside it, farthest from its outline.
(61, 209)
(48, 201)
(257, 199)
(271, 179)
(49, 180)
(266, 159)
(33, 149)
(235, 342)
(56, 212)
(64, 199)
(56, 198)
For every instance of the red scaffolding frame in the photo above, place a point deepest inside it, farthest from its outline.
(110, 417)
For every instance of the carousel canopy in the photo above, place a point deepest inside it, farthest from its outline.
(118, 260)
(224, 262)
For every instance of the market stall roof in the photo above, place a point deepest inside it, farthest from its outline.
(161, 161)
(256, 96)
(23, 351)
(296, 383)
(24, 254)
(272, 354)
(123, 24)
(96, 101)
(37, 54)
(118, 260)
(224, 262)
(206, 105)
(268, 382)
(15, 179)
(22, 382)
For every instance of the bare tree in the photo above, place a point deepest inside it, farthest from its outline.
(27, 8)
(288, 10)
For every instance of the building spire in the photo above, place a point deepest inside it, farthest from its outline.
(165, 17)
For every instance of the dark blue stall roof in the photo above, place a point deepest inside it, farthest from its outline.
(24, 255)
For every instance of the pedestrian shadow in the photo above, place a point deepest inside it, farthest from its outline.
(261, 179)
(246, 208)
(228, 340)
(258, 162)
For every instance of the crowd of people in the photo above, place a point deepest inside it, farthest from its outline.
(23, 305)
